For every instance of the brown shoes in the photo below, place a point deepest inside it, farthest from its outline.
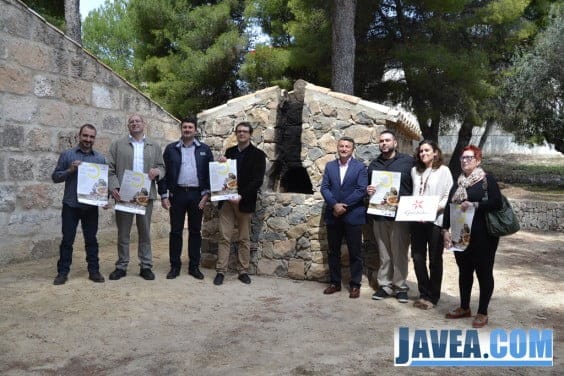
(332, 289)
(354, 293)
(458, 313)
(480, 321)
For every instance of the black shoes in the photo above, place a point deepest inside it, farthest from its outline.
(96, 277)
(174, 272)
(147, 274)
(60, 279)
(245, 278)
(117, 274)
(218, 280)
(196, 273)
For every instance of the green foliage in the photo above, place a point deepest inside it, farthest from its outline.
(187, 52)
(533, 88)
(108, 34)
(52, 10)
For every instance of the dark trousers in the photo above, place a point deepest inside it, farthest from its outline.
(353, 237)
(426, 238)
(182, 202)
(88, 217)
(479, 256)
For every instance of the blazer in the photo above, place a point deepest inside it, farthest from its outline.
(352, 192)
(121, 158)
(173, 161)
(250, 175)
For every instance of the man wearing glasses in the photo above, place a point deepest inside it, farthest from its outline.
(251, 166)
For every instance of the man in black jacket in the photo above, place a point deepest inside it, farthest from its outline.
(392, 237)
(251, 166)
(186, 189)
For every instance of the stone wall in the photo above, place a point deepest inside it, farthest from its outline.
(49, 87)
(539, 215)
(288, 234)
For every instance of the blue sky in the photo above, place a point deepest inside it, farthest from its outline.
(87, 5)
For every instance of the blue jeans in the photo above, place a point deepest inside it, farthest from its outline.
(182, 202)
(88, 217)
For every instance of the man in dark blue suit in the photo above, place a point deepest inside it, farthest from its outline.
(344, 187)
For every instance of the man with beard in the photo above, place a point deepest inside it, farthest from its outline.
(73, 211)
(392, 237)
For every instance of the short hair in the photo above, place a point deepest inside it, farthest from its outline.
(477, 151)
(190, 119)
(437, 160)
(90, 126)
(389, 132)
(132, 115)
(348, 139)
(245, 124)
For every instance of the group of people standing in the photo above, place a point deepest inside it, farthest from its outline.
(180, 176)
(345, 187)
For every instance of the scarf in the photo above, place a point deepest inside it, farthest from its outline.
(467, 181)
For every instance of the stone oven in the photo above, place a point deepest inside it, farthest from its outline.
(298, 131)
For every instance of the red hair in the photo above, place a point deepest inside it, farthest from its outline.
(476, 150)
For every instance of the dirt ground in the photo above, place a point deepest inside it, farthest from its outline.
(271, 327)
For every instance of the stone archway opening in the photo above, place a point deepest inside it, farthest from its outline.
(288, 175)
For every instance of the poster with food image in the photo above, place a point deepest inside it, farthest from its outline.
(385, 199)
(134, 192)
(460, 227)
(92, 184)
(223, 180)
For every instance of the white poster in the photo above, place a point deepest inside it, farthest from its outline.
(134, 192)
(92, 184)
(418, 208)
(460, 227)
(223, 180)
(385, 200)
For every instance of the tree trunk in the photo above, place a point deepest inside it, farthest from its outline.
(344, 45)
(430, 131)
(72, 18)
(484, 138)
(464, 137)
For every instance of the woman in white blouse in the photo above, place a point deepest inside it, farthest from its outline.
(430, 178)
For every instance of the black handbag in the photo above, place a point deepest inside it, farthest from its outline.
(503, 221)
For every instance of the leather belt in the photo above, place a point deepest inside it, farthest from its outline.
(187, 189)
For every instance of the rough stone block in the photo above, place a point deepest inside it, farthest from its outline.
(54, 113)
(75, 91)
(14, 79)
(7, 198)
(272, 267)
(12, 136)
(359, 133)
(19, 169)
(296, 269)
(20, 109)
(45, 86)
(32, 55)
(297, 231)
(278, 224)
(44, 248)
(36, 196)
(39, 139)
(283, 248)
(318, 272)
(66, 140)
(105, 97)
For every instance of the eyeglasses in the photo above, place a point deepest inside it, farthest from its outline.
(241, 131)
(466, 158)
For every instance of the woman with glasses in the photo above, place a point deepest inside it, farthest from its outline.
(430, 178)
(479, 255)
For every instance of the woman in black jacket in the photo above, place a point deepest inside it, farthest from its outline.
(479, 255)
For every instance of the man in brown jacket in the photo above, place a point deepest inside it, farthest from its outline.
(134, 152)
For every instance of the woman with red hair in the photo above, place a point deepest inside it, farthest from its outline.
(470, 190)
